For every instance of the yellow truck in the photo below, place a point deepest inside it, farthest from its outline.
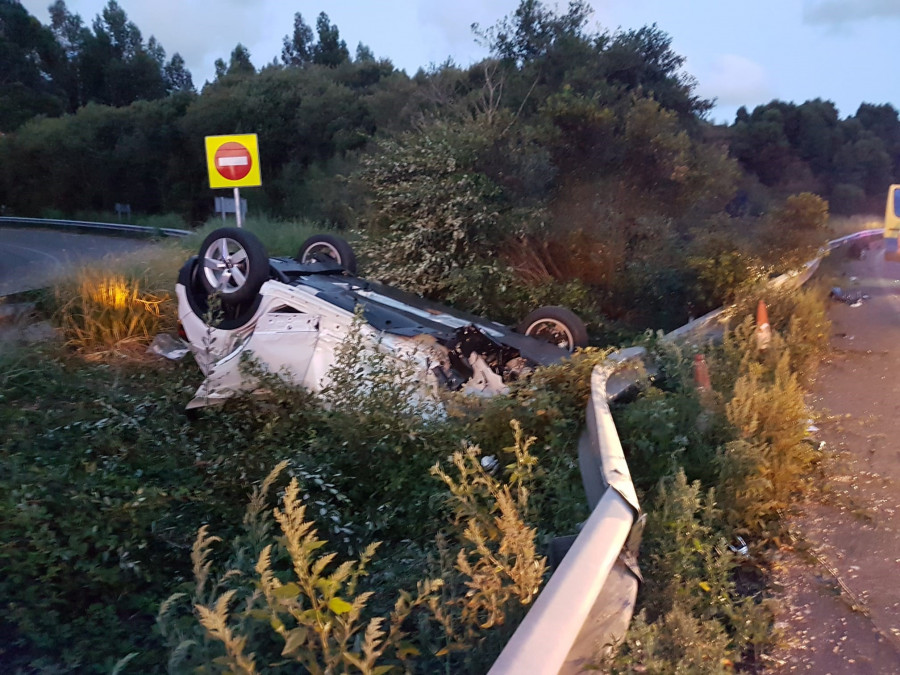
(892, 224)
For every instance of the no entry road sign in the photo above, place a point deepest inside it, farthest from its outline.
(233, 161)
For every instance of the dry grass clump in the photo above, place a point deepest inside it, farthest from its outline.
(103, 313)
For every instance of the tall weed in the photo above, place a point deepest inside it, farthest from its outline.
(770, 414)
(299, 608)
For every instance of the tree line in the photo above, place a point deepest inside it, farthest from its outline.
(576, 164)
(807, 147)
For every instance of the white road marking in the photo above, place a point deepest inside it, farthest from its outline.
(56, 260)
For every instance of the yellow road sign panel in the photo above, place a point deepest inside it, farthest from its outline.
(233, 161)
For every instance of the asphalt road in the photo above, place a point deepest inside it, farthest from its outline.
(842, 611)
(32, 258)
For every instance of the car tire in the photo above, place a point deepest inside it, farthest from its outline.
(233, 264)
(556, 325)
(322, 247)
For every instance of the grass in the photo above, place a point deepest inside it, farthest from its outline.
(124, 303)
(102, 312)
(281, 238)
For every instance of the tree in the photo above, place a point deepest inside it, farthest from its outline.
(178, 78)
(882, 121)
(864, 163)
(761, 145)
(298, 48)
(71, 35)
(109, 63)
(643, 60)
(239, 63)
(532, 30)
(815, 133)
(156, 52)
(122, 35)
(330, 50)
(364, 54)
(30, 61)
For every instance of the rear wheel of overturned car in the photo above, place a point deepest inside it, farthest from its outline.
(327, 247)
(556, 325)
(233, 264)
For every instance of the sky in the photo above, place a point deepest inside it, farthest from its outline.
(739, 52)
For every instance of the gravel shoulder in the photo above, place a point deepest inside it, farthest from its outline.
(838, 579)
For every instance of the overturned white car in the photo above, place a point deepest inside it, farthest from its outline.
(291, 314)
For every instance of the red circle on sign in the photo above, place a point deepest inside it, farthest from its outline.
(233, 160)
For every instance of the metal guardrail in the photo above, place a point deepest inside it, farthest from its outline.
(589, 600)
(701, 327)
(119, 228)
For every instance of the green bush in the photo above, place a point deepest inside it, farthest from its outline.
(322, 613)
(432, 211)
(747, 439)
(793, 233)
(694, 619)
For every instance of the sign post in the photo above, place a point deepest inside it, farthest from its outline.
(233, 162)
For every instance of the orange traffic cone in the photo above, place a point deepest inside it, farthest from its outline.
(763, 329)
(701, 373)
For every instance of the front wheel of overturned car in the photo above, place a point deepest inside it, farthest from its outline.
(325, 247)
(234, 264)
(556, 325)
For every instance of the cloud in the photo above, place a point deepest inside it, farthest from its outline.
(836, 12)
(449, 25)
(203, 33)
(735, 80)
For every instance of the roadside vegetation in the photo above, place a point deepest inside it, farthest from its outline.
(127, 536)
(572, 167)
(106, 481)
(715, 468)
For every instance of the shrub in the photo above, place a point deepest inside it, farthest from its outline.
(501, 293)
(720, 276)
(848, 199)
(694, 619)
(369, 383)
(797, 314)
(322, 615)
(770, 414)
(746, 437)
(432, 210)
(793, 233)
(804, 211)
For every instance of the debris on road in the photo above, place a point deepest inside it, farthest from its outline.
(853, 299)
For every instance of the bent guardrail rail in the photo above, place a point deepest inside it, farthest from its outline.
(119, 228)
(589, 600)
